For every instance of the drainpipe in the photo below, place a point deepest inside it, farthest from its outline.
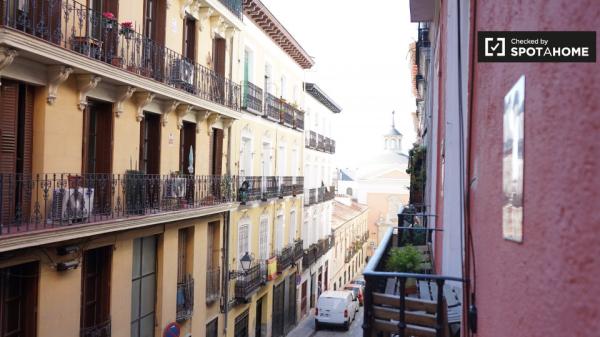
(225, 271)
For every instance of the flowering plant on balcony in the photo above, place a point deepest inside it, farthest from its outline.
(109, 20)
(126, 29)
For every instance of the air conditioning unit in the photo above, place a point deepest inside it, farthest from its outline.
(72, 205)
(182, 72)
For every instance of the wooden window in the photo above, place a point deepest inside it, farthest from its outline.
(213, 246)
(155, 19)
(18, 300)
(97, 140)
(243, 240)
(212, 328)
(263, 239)
(143, 292)
(241, 325)
(189, 38)
(219, 55)
(187, 149)
(16, 145)
(217, 152)
(95, 292)
(150, 143)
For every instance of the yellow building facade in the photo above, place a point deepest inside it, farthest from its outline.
(147, 147)
(351, 234)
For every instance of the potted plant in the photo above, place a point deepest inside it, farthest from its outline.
(406, 259)
(109, 20)
(126, 29)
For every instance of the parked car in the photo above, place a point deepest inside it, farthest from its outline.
(360, 281)
(335, 308)
(357, 290)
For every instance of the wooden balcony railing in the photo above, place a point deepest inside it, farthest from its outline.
(54, 201)
(74, 26)
(252, 99)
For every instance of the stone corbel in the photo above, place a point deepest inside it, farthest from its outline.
(184, 8)
(227, 122)
(7, 56)
(204, 14)
(229, 32)
(123, 93)
(85, 83)
(168, 109)
(201, 116)
(182, 110)
(216, 26)
(142, 99)
(212, 120)
(56, 76)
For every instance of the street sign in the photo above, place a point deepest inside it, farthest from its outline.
(172, 330)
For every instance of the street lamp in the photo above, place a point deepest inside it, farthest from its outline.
(246, 260)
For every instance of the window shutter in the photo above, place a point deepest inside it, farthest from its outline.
(218, 152)
(8, 126)
(28, 131)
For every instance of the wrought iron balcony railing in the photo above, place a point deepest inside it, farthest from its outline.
(298, 186)
(319, 249)
(319, 142)
(321, 194)
(248, 282)
(286, 186)
(48, 201)
(310, 256)
(298, 250)
(298, 119)
(185, 299)
(285, 258)
(253, 188)
(287, 114)
(408, 304)
(312, 140)
(213, 285)
(272, 108)
(312, 196)
(252, 99)
(235, 6)
(71, 25)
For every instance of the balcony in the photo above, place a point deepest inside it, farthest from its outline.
(312, 196)
(298, 119)
(310, 256)
(285, 258)
(287, 114)
(286, 186)
(319, 142)
(321, 194)
(319, 249)
(234, 6)
(56, 201)
(409, 304)
(272, 108)
(298, 186)
(298, 250)
(213, 285)
(252, 99)
(253, 188)
(73, 26)
(249, 282)
(312, 140)
(185, 299)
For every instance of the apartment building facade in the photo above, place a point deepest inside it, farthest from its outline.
(351, 235)
(321, 112)
(265, 247)
(134, 169)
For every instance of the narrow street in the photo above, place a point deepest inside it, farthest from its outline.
(306, 328)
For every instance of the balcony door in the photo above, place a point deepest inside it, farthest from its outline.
(150, 143)
(95, 292)
(154, 31)
(143, 291)
(97, 139)
(278, 307)
(18, 300)
(100, 31)
(187, 148)
(217, 152)
(16, 148)
(219, 60)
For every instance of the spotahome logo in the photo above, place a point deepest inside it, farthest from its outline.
(536, 46)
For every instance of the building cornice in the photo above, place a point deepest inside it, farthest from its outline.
(322, 97)
(256, 11)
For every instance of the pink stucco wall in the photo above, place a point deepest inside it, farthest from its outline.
(550, 284)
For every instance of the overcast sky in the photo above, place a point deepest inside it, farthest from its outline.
(361, 54)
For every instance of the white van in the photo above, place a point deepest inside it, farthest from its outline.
(335, 308)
